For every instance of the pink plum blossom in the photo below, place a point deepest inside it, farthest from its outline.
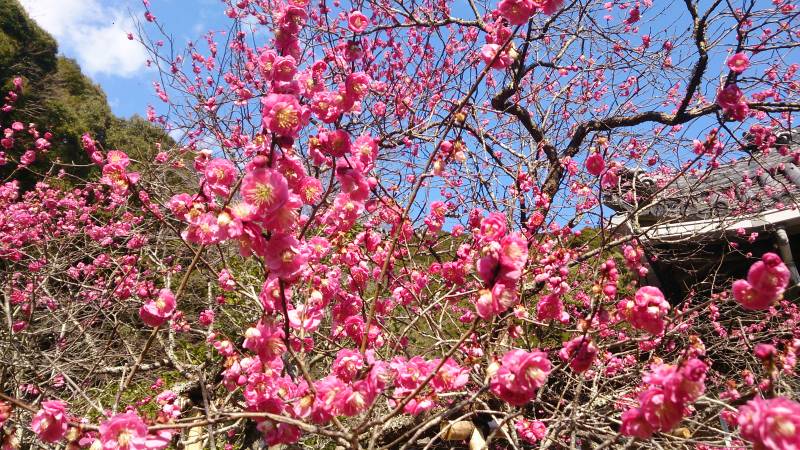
(519, 375)
(266, 340)
(516, 11)
(357, 85)
(282, 114)
(489, 55)
(663, 404)
(595, 164)
(580, 352)
(659, 411)
(50, 422)
(634, 424)
(226, 281)
(551, 307)
(513, 256)
(738, 62)
(265, 189)
(531, 431)
(335, 143)
(450, 377)
(285, 255)
(347, 364)
(357, 22)
(749, 298)
(155, 312)
(494, 301)
(771, 424)
(220, 174)
(493, 227)
(304, 318)
(647, 310)
(127, 431)
(766, 281)
(770, 275)
(548, 7)
(733, 103)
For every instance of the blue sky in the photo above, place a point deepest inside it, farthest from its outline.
(94, 33)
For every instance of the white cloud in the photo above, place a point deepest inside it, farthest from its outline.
(92, 33)
(177, 134)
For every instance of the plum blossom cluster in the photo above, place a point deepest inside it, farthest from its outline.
(37, 143)
(499, 51)
(127, 431)
(338, 269)
(580, 352)
(609, 277)
(552, 269)
(646, 311)
(765, 283)
(31, 219)
(770, 424)
(530, 431)
(665, 401)
(155, 312)
(409, 376)
(50, 422)
(733, 102)
(500, 266)
(124, 431)
(518, 375)
(355, 382)
(449, 151)
(115, 166)
(435, 219)
(274, 185)
(13, 95)
(634, 259)
(517, 12)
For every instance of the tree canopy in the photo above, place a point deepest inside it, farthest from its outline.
(394, 224)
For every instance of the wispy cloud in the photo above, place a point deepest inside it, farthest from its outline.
(93, 33)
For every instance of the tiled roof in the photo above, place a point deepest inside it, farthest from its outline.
(759, 182)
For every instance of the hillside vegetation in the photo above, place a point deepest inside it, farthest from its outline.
(59, 98)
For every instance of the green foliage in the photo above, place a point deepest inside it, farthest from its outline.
(60, 99)
(25, 49)
(137, 137)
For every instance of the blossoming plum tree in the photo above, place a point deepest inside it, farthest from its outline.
(375, 225)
